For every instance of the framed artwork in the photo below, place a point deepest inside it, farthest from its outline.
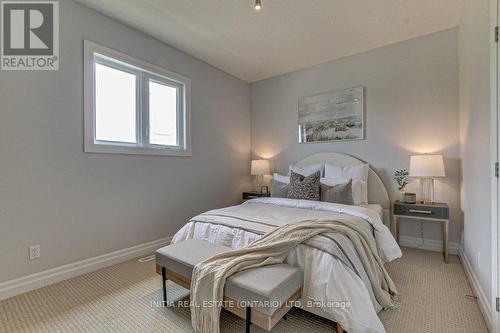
(332, 116)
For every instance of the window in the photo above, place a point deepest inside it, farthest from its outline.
(132, 107)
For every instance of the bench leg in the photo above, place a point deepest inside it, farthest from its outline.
(339, 328)
(164, 285)
(249, 319)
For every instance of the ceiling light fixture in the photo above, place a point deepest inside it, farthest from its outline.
(258, 4)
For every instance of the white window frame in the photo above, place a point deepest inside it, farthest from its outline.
(144, 73)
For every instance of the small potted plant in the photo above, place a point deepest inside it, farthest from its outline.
(401, 178)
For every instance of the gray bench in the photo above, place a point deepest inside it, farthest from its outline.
(261, 295)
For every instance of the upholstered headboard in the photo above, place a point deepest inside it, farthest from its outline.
(377, 193)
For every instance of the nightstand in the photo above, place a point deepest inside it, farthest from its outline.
(437, 212)
(254, 194)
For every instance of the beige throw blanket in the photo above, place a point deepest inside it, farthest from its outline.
(208, 279)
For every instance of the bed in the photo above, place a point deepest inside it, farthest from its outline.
(331, 289)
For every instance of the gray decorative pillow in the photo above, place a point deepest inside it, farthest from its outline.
(306, 188)
(341, 193)
(279, 189)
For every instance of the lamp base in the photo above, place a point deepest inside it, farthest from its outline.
(258, 183)
(427, 190)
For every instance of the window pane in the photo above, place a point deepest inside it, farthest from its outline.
(162, 114)
(115, 102)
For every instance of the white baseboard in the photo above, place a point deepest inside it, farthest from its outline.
(482, 300)
(429, 244)
(34, 281)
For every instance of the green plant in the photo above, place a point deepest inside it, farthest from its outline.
(401, 178)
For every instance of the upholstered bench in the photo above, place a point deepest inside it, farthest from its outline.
(176, 262)
(261, 295)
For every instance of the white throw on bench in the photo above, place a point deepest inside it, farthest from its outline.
(261, 295)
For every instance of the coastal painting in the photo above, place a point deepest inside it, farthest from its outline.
(332, 116)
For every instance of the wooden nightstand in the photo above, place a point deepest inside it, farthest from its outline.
(253, 195)
(437, 212)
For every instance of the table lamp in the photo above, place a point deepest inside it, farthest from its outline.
(427, 167)
(260, 168)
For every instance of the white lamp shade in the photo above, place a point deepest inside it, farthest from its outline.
(426, 166)
(260, 167)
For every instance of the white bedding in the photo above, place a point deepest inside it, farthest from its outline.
(326, 279)
(376, 208)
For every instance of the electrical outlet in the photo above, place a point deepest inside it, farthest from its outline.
(35, 252)
(478, 259)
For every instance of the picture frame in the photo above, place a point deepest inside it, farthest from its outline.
(332, 116)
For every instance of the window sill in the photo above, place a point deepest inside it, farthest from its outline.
(109, 149)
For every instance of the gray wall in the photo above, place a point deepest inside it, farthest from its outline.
(78, 205)
(474, 60)
(411, 107)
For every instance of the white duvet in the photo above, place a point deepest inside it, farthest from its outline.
(331, 290)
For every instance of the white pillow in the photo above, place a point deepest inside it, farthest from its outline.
(355, 172)
(363, 188)
(359, 188)
(281, 178)
(306, 170)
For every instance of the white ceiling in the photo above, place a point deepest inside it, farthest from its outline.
(285, 35)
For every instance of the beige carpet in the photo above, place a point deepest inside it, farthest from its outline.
(121, 299)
